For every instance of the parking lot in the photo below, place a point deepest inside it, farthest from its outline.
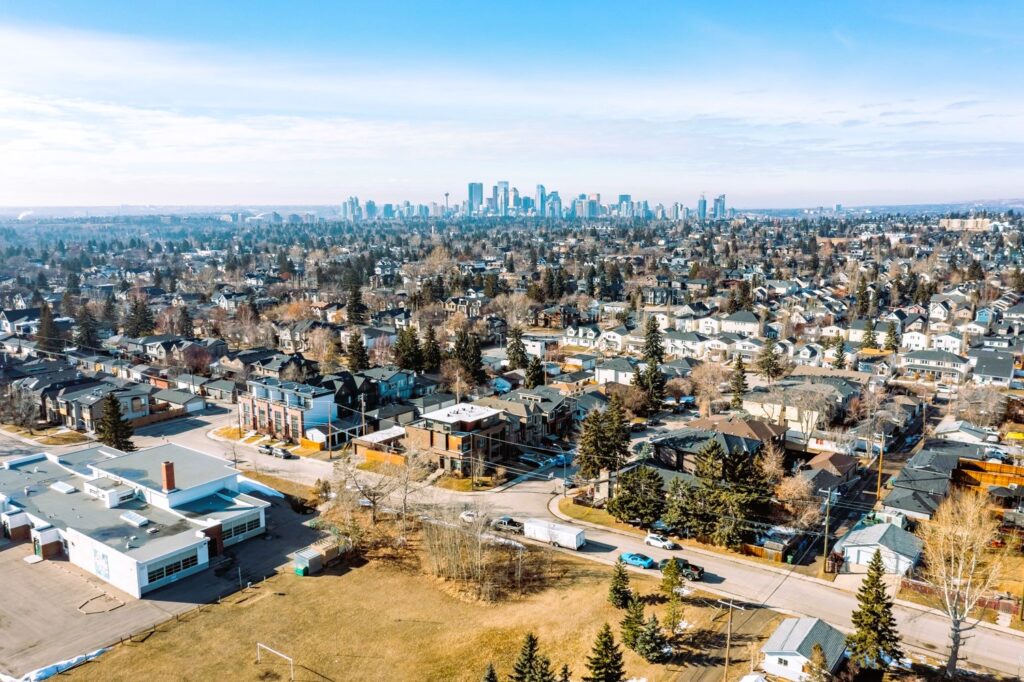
(54, 610)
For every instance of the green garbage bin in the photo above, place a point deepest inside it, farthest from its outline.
(302, 570)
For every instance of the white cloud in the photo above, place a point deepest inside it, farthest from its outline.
(94, 119)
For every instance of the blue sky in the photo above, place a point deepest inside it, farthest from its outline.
(775, 104)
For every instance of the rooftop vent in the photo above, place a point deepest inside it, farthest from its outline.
(62, 487)
(137, 520)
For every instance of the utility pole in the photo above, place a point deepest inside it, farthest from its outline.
(728, 636)
(881, 460)
(828, 509)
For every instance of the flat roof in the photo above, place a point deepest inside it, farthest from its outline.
(221, 506)
(463, 412)
(383, 435)
(87, 515)
(191, 467)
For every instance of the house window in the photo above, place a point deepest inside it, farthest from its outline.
(295, 426)
(277, 422)
(783, 662)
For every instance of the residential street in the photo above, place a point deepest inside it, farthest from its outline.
(753, 583)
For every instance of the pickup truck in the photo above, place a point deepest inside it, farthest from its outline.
(688, 570)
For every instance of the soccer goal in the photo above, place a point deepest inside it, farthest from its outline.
(291, 662)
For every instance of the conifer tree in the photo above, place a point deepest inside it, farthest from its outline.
(839, 361)
(738, 383)
(590, 444)
(467, 353)
(112, 429)
(564, 675)
(406, 351)
(490, 675)
(892, 337)
(639, 495)
(632, 622)
(355, 309)
(431, 351)
(619, 593)
(671, 578)
(615, 427)
(875, 636)
(515, 350)
(605, 661)
(523, 668)
(768, 363)
(870, 340)
(109, 313)
(534, 373)
(355, 353)
(651, 643)
(654, 350)
(184, 324)
(87, 336)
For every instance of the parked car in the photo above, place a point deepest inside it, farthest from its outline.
(282, 453)
(637, 559)
(469, 516)
(655, 540)
(265, 450)
(507, 524)
(571, 483)
(688, 570)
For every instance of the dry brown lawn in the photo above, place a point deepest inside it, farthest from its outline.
(303, 492)
(386, 620)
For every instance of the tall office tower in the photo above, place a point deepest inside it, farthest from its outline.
(371, 209)
(516, 201)
(351, 210)
(501, 197)
(541, 202)
(702, 208)
(719, 211)
(476, 197)
(554, 206)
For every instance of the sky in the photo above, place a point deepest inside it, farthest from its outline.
(775, 104)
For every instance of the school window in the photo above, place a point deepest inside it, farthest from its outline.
(173, 568)
(295, 426)
(277, 422)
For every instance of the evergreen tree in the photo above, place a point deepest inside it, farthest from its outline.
(355, 354)
(542, 671)
(654, 351)
(817, 665)
(892, 337)
(112, 429)
(431, 351)
(863, 297)
(184, 325)
(671, 578)
(355, 309)
(87, 335)
(515, 350)
(738, 383)
(619, 594)
(673, 615)
(523, 668)
(109, 313)
(768, 363)
(638, 495)
(839, 361)
(490, 675)
(875, 636)
(406, 351)
(870, 340)
(632, 622)
(467, 353)
(605, 661)
(651, 381)
(534, 373)
(590, 444)
(564, 675)
(651, 643)
(139, 320)
(48, 337)
(615, 428)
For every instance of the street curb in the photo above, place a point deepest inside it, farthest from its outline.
(555, 511)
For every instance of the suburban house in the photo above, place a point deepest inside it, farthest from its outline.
(935, 364)
(138, 520)
(787, 653)
(900, 549)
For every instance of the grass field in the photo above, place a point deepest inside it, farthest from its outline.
(303, 492)
(386, 620)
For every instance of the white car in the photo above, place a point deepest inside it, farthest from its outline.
(468, 516)
(655, 540)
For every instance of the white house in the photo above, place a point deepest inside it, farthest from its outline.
(585, 336)
(742, 323)
(914, 341)
(950, 342)
(787, 653)
(900, 549)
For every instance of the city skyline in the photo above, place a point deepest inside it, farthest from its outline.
(851, 103)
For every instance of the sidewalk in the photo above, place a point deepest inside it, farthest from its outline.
(555, 511)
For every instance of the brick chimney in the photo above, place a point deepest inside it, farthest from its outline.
(167, 469)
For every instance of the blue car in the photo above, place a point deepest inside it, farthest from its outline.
(637, 559)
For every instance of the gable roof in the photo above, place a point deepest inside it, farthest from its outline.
(799, 635)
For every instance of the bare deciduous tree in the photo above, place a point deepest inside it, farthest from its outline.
(20, 409)
(707, 381)
(796, 495)
(959, 564)
(372, 489)
(980, 405)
